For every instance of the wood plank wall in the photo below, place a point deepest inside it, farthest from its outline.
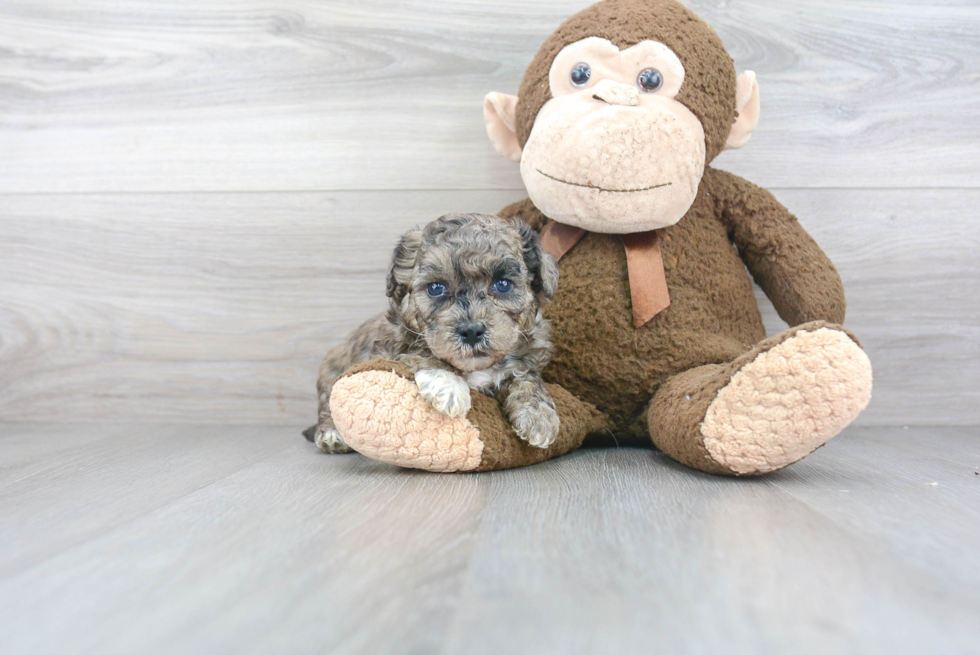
(197, 199)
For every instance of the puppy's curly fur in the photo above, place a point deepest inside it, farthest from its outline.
(465, 299)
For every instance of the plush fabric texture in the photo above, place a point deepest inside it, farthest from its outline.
(575, 177)
(700, 378)
(381, 415)
(787, 402)
(498, 108)
(648, 284)
(749, 108)
(630, 163)
(502, 449)
(712, 318)
(615, 68)
(644, 264)
(626, 23)
(378, 410)
(677, 416)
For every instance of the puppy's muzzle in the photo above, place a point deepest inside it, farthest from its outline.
(472, 333)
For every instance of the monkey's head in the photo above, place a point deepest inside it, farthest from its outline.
(471, 286)
(620, 112)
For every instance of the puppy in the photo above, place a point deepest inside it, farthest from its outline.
(466, 294)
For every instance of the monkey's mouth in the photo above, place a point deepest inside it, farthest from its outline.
(599, 188)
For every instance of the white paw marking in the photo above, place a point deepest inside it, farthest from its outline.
(330, 441)
(488, 379)
(537, 425)
(446, 392)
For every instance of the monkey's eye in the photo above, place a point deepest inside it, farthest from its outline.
(503, 287)
(436, 290)
(581, 74)
(650, 79)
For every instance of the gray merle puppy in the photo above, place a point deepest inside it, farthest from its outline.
(466, 294)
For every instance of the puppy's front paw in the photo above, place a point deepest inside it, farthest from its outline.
(536, 424)
(446, 392)
(330, 441)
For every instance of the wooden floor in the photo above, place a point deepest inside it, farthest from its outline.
(154, 539)
(198, 199)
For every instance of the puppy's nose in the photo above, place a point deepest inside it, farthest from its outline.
(472, 332)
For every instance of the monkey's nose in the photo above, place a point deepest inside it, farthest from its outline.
(615, 93)
(472, 332)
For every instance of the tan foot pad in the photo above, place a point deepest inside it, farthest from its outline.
(382, 416)
(788, 402)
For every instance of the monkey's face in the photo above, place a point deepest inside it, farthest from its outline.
(620, 111)
(476, 286)
(613, 151)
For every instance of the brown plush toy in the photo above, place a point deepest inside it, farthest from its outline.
(657, 331)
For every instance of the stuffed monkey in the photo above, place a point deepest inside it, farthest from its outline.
(657, 331)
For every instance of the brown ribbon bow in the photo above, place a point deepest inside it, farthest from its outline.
(644, 262)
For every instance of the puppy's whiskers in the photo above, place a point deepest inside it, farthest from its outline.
(466, 328)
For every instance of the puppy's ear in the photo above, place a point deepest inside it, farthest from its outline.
(541, 265)
(402, 264)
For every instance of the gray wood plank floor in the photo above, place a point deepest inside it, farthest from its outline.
(155, 539)
(197, 199)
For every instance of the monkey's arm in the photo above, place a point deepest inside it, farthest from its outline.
(784, 260)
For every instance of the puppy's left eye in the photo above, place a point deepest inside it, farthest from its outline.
(503, 287)
(436, 290)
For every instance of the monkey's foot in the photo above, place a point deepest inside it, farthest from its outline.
(769, 408)
(378, 409)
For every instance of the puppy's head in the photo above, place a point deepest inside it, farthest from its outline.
(470, 285)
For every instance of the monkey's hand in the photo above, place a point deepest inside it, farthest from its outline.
(446, 392)
(532, 412)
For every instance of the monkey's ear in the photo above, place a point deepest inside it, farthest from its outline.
(542, 266)
(403, 264)
(747, 104)
(500, 114)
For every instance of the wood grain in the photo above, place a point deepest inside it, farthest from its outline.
(689, 563)
(218, 307)
(248, 540)
(81, 481)
(326, 549)
(197, 199)
(102, 96)
(248, 159)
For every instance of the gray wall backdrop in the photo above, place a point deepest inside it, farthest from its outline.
(197, 199)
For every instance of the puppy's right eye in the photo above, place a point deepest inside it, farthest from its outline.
(436, 290)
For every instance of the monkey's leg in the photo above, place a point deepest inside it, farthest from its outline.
(771, 407)
(380, 413)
